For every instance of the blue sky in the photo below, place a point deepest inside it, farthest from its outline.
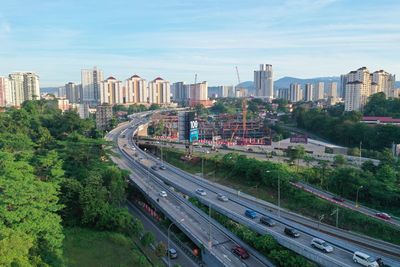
(176, 39)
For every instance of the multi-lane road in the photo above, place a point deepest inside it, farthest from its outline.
(189, 219)
(237, 204)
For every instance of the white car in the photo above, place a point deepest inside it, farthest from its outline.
(321, 245)
(364, 259)
(201, 192)
(222, 198)
(163, 194)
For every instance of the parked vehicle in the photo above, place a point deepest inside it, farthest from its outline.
(250, 213)
(364, 259)
(321, 245)
(163, 194)
(267, 221)
(241, 252)
(383, 215)
(201, 192)
(222, 198)
(173, 254)
(291, 232)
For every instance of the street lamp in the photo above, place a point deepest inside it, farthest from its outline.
(279, 194)
(169, 256)
(358, 189)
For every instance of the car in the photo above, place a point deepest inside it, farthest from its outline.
(173, 254)
(250, 150)
(250, 213)
(154, 167)
(140, 158)
(321, 245)
(267, 221)
(364, 259)
(162, 167)
(201, 192)
(383, 215)
(241, 252)
(338, 198)
(163, 194)
(222, 198)
(291, 232)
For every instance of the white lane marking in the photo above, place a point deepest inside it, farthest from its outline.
(226, 257)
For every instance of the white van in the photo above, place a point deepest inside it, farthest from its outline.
(364, 259)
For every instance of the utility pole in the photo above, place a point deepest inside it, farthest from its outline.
(336, 212)
(360, 152)
(209, 226)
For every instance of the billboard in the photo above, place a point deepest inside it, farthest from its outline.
(188, 126)
(299, 139)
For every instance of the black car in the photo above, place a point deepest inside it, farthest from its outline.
(267, 221)
(154, 167)
(291, 232)
(338, 198)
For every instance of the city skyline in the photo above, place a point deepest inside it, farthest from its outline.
(175, 40)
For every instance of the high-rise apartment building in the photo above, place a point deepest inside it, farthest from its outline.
(159, 92)
(263, 81)
(72, 92)
(91, 79)
(198, 91)
(226, 91)
(4, 91)
(342, 86)
(111, 91)
(104, 116)
(180, 92)
(283, 93)
(308, 92)
(382, 81)
(23, 86)
(358, 89)
(319, 88)
(295, 92)
(136, 90)
(332, 90)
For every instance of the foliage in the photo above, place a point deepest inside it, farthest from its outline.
(345, 128)
(54, 170)
(378, 105)
(147, 239)
(160, 249)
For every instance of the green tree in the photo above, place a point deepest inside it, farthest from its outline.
(160, 249)
(147, 239)
(339, 160)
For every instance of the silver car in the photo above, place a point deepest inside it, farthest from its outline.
(321, 245)
(222, 198)
(201, 192)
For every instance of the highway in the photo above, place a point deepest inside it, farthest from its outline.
(379, 247)
(196, 223)
(346, 203)
(343, 251)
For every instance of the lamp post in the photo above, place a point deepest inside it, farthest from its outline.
(358, 189)
(169, 256)
(279, 193)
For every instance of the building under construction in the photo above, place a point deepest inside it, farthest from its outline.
(224, 127)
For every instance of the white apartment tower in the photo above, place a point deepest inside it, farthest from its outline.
(23, 86)
(382, 81)
(198, 91)
(263, 81)
(111, 91)
(136, 90)
(308, 92)
(319, 91)
(91, 79)
(159, 92)
(295, 92)
(358, 89)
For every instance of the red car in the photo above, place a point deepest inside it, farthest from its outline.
(338, 199)
(241, 252)
(383, 215)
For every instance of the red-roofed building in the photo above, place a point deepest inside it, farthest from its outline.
(380, 120)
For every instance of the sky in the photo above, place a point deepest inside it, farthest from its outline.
(176, 39)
